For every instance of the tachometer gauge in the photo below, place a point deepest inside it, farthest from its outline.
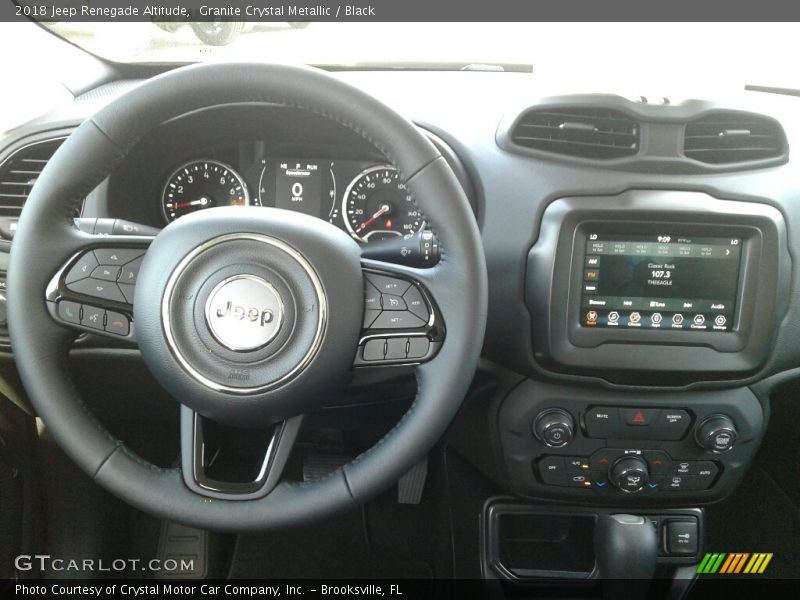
(202, 184)
(377, 205)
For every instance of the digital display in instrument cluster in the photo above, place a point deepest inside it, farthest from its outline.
(298, 186)
(367, 200)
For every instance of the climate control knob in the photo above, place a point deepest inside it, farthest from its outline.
(629, 474)
(716, 433)
(554, 427)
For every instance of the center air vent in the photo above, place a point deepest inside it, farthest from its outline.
(596, 133)
(725, 137)
(19, 172)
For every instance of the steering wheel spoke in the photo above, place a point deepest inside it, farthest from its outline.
(93, 291)
(214, 457)
(402, 323)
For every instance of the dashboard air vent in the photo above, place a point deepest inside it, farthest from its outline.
(725, 137)
(596, 133)
(19, 172)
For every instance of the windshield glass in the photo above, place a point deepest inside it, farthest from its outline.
(735, 53)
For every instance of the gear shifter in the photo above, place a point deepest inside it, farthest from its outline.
(626, 549)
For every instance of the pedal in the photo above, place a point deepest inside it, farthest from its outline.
(411, 485)
(319, 466)
(187, 547)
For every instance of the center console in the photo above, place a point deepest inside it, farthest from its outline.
(649, 310)
(601, 446)
(650, 291)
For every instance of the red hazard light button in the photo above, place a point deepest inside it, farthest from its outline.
(639, 416)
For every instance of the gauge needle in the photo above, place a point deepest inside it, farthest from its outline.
(201, 202)
(384, 209)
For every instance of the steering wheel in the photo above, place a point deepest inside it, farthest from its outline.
(246, 316)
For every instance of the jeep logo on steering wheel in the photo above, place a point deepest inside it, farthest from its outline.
(244, 313)
(239, 312)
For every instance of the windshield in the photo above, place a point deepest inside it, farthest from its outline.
(647, 53)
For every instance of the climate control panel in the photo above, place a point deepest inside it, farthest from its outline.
(606, 445)
(630, 471)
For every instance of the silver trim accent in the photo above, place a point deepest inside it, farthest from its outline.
(260, 281)
(264, 239)
(348, 189)
(234, 172)
(212, 485)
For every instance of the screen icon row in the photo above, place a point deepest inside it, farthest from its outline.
(636, 319)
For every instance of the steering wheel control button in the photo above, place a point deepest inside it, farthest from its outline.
(418, 347)
(372, 297)
(375, 350)
(629, 474)
(244, 313)
(396, 348)
(82, 269)
(93, 317)
(369, 317)
(388, 285)
(130, 272)
(416, 303)
(391, 302)
(127, 291)
(602, 422)
(117, 256)
(69, 312)
(397, 320)
(716, 433)
(104, 290)
(106, 273)
(554, 427)
(117, 323)
(638, 417)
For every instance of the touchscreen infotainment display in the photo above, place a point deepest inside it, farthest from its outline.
(660, 282)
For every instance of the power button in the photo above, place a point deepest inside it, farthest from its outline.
(554, 427)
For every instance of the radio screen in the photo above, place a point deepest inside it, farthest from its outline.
(661, 282)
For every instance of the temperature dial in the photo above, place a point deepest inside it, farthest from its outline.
(716, 433)
(629, 474)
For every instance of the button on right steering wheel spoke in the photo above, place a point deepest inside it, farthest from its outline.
(402, 324)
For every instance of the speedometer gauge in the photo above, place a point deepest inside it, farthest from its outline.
(202, 184)
(377, 205)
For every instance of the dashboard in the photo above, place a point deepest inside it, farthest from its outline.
(636, 276)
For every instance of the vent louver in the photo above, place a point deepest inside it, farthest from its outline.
(19, 172)
(734, 137)
(585, 132)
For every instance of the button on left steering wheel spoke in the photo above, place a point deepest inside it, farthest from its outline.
(93, 292)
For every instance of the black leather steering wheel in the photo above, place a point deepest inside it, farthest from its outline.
(304, 278)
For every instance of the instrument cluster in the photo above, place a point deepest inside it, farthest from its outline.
(368, 200)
